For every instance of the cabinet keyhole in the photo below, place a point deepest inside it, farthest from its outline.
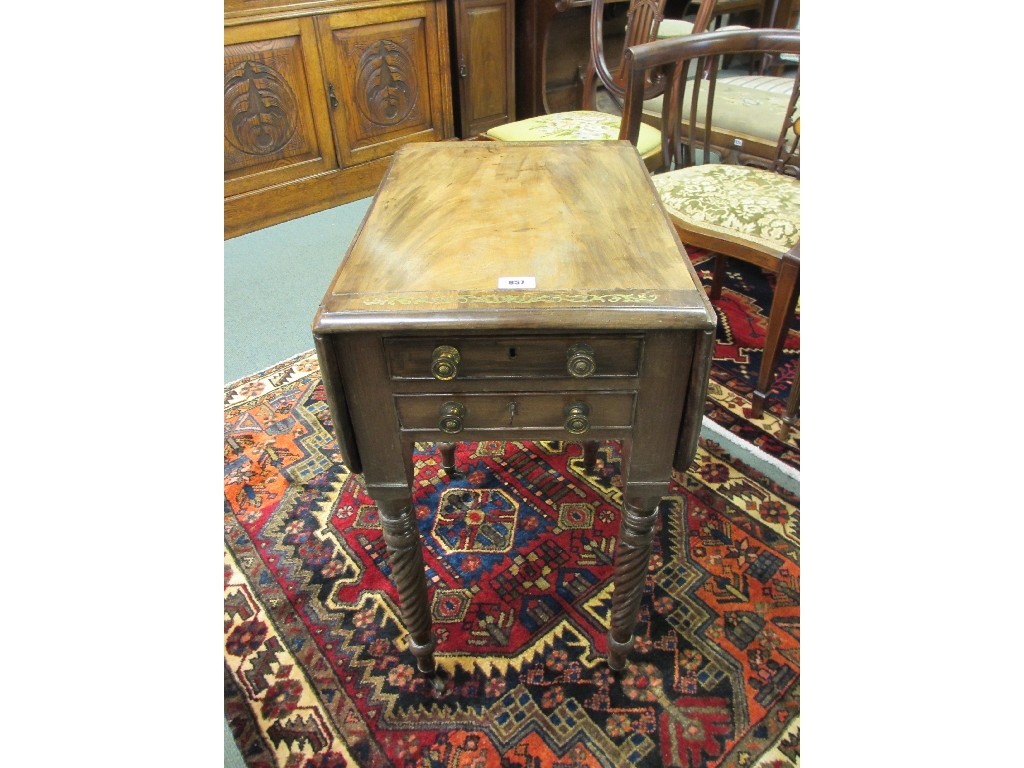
(511, 352)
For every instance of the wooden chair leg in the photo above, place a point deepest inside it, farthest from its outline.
(792, 405)
(589, 88)
(589, 455)
(717, 277)
(786, 292)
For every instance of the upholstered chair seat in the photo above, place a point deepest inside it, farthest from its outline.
(673, 28)
(747, 206)
(678, 27)
(751, 114)
(770, 83)
(580, 125)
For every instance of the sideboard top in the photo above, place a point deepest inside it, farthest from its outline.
(455, 225)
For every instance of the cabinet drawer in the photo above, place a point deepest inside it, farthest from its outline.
(500, 357)
(545, 410)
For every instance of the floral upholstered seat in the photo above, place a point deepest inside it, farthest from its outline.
(580, 125)
(745, 205)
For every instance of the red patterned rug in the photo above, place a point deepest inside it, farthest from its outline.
(742, 321)
(316, 669)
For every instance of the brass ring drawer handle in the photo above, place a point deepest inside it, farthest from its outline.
(577, 419)
(452, 414)
(580, 361)
(445, 363)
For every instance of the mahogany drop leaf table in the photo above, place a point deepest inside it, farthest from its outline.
(511, 291)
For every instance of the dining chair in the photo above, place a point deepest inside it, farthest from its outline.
(721, 201)
(589, 124)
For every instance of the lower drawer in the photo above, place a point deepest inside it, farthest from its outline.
(571, 411)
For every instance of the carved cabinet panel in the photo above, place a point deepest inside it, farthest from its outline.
(275, 120)
(317, 97)
(484, 64)
(384, 69)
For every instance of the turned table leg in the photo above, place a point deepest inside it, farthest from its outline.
(447, 458)
(405, 554)
(589, 455)
(636, 533)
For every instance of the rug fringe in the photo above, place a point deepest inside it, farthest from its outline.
(739, 442)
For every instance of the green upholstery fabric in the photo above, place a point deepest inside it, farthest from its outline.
(748, 111)
(673, 28)
(761, 83)
(678, 28)
(746, 204)
(581, 125)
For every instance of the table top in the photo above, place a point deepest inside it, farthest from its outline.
(487, 233)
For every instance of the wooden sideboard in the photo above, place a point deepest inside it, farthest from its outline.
(319, 95)
(483, 64)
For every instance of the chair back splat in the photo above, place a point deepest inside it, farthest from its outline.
(642, 20)
(689, 104)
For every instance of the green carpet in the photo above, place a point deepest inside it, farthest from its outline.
(274, 279)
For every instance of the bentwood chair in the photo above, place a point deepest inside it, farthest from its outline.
(738, 207)
(588, 124)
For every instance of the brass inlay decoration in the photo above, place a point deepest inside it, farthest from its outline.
(519, 298)
(258, 109)
(385, 88)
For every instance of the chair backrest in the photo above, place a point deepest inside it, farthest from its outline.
(689, 104)
(642, 20)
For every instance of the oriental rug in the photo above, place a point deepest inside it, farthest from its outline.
(742, 320)
(519, 557)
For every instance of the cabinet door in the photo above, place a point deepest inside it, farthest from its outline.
(485, 64)
(388, 67)
(276, 126)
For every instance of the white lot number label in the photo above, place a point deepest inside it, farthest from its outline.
(517, 283)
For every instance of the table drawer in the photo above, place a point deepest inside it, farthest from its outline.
(576, 412)
(498, 357)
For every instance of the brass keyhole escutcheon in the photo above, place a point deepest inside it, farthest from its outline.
(444, 364)
(452, 414)
(577, 419)
(579, 361)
